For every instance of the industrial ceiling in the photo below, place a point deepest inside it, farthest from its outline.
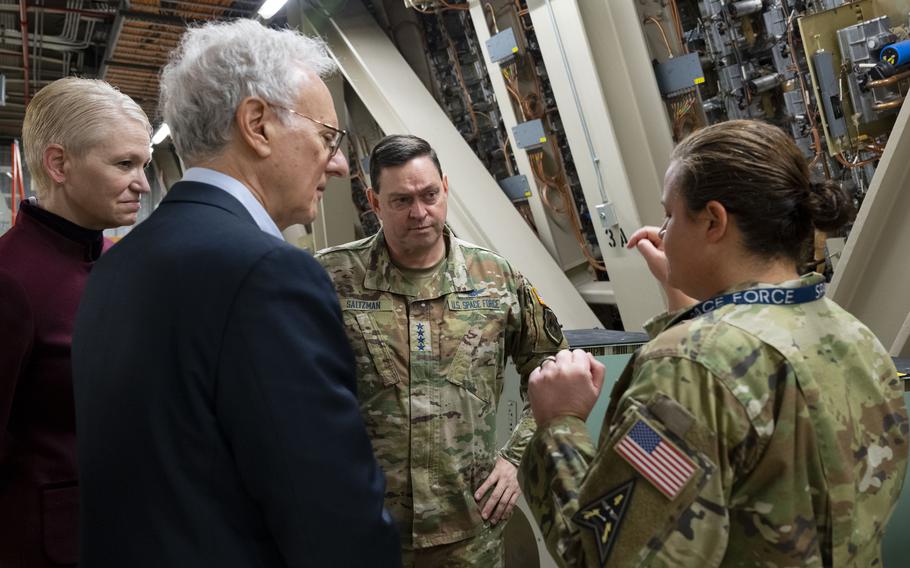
(125, 43)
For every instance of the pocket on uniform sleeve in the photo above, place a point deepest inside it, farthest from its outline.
(60, 523)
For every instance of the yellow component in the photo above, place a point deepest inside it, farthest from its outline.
(514, 50)
(606, 536)
(527, 194)
(543, 139)
(539, 299)
(699, 80)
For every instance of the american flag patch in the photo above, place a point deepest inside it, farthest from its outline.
(653, 457)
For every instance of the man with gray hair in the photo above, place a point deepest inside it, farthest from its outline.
(201, 441)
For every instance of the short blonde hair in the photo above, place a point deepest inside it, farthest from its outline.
(77, 114)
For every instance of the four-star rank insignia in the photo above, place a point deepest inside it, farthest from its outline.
(604, 517)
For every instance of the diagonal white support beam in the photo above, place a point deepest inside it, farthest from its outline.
(478, 209)
(870, 280)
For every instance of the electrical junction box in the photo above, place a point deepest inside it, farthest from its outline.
(529, 135)
(607, 213)
(678, 74)
(516, 187)
(502, 47)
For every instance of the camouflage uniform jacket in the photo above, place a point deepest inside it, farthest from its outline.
(766, 436)
(430, 372)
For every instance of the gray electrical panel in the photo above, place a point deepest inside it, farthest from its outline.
(530, 135)
(516, 187)
(830, 93)
(502, 46)
(679, 73)
(854, 43)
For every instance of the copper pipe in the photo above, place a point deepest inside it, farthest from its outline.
(843, 161)
(889, 105)
(677, 22)
(23, 25)
(663, 34)
(889, 81)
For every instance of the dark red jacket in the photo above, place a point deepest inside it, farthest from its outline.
(44, 263)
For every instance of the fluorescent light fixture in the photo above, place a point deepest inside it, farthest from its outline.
(163, 132)
(270, 7)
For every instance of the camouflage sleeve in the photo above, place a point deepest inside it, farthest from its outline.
(538, 335)
(656, 491)
(551, 474)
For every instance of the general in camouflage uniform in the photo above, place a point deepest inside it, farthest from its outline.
(430, 360)
(764, 436)
(430, 346)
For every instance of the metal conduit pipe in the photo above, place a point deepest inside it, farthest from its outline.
(54, 43)
(581, 114)
(84, 14)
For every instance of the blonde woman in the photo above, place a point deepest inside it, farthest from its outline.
(86, 147)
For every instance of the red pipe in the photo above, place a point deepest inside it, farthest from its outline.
(23, 22)
(12, 186)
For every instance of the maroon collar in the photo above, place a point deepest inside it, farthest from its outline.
(69, 236)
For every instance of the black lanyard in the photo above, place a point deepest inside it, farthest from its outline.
(766, 296)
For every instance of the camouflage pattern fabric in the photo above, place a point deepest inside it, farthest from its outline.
(767, 436)
(429, 363)
(483, 551)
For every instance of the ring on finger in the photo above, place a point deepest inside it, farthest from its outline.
(549, 358)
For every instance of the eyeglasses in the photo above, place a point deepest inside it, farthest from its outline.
(337, 134)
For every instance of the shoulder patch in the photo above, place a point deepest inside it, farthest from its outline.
(604, 517)
(551, 325)
(655, 458)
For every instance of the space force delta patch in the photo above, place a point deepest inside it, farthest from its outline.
(656, 459)
(604, 517)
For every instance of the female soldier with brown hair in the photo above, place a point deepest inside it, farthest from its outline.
(763, 424)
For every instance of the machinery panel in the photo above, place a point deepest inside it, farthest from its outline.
(678, 74)
(516, 187)
(530, 135)
(502, 46)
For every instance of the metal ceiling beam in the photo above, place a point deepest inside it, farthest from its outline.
(161, 19)
(870, 280)
(148, 28)
(112, 39)
(479, 211)
(128, 65)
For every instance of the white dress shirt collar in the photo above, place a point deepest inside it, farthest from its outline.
(239, 192)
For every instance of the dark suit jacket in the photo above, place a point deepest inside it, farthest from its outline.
(215, 406)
